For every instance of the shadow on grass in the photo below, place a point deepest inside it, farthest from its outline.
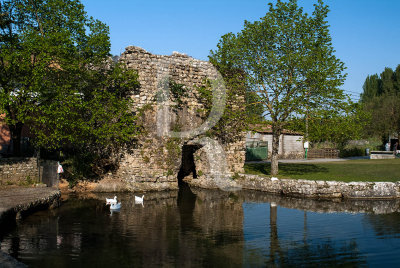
(285, 169)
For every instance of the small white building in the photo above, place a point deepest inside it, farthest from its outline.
(290, 142)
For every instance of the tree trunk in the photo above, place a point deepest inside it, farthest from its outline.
(16, 133)
(276, 133)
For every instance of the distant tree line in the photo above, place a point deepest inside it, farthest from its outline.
(388, 82)
(381, 98)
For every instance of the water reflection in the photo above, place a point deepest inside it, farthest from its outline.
(186, 204)
(274, 243)
(196, 227)
(385, 225)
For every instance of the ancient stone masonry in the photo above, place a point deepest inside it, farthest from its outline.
(169, 101)
(24, 171)
(321, 189)
(17, 171)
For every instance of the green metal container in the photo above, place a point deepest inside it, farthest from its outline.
(257, 152)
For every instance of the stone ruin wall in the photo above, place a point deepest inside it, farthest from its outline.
(156, 161)
(18, 171)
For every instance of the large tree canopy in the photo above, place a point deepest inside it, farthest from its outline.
(289, 60)
(57, 76)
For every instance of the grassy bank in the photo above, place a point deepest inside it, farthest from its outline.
(353, 170)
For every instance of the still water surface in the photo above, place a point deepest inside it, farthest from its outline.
(196, 227)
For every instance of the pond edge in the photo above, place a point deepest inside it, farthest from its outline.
(11, 212)
(320, 189)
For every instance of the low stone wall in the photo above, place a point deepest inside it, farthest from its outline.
(321, 189)
(18, 171)
(382, 155)
(284, 187)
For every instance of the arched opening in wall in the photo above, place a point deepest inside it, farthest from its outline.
(188, 166)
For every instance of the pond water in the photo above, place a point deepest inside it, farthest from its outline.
(196, 227)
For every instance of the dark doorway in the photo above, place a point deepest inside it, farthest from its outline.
(187, 167)
(394, 144)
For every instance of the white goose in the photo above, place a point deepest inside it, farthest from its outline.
(139, 199)
(110, 201)
(115, 206)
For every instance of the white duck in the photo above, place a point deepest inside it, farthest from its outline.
(115, 206)
(139, 199)
(110, 201)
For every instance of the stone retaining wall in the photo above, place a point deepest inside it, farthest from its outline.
(321, 189)
(18, 171)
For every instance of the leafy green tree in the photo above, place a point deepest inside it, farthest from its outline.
(98, 124)
(371, 88)
(385, 115)
(57, 76)
(254, 108)
(381, 98)
(387, 84)
(337, 128)
(396, 77)
(44, 45)
(235, 79)
(289, 61)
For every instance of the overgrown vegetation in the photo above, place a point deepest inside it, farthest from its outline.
(174, 152)
(359, 148)
(179, 92)
(232, 123)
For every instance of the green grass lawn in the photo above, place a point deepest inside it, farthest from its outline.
(352, 170)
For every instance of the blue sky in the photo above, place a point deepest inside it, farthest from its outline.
(366, 33)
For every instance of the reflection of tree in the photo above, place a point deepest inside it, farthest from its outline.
(309, 253)
(173, 229)
(325, 253)
(177, 229)
(319, 253)
(384, 224)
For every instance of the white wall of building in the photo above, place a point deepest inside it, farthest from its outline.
(290, 146)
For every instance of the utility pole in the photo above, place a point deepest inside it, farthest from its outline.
(306, 136)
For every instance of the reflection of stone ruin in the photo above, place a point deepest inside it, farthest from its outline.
(172, 229)
(158, 160)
